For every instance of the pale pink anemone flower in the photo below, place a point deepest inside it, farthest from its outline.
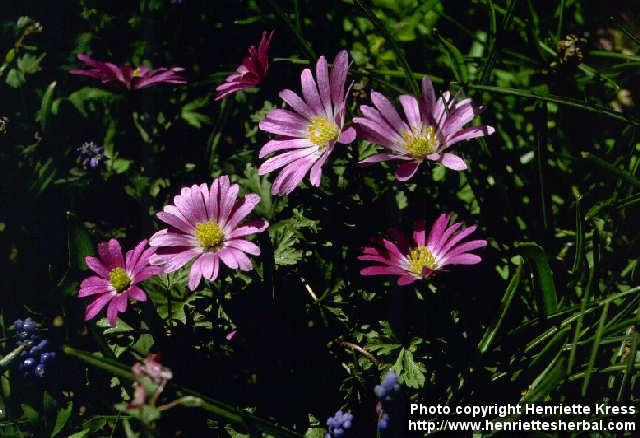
(151, 370)
(117, 278)
(132, 78)
(309, 132)
(251, 72)
(205, 227)
(422, 257)
(431, 127)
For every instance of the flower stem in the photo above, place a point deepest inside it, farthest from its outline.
(6, 360)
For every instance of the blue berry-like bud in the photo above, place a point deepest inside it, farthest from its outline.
(40, 370)
(18, 325)
(380, 391)
(27, 364)
(383, 423)
(29, 325)
(338, 432)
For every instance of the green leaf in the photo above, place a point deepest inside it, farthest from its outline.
(543, 274)
(88, 95)
(45, 107)
(83, 433)
(29, 414)
(594, 349)
(190, 114)
(456, 60)
(15, 78)
(29, 64)
(410, 373)
(82, 246)
(61, 419)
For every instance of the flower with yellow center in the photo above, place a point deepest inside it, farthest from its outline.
(119, 279)
(209, 235)
(136, 73)
(422, 143)
(419, 258)
(322, 131)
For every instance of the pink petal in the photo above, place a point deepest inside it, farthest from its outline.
(277, 145)
(93, 285)
(96, 266)
(228, 199)
(310, 92)
(173, 262)
(137, 294)
(244, 245)
(419, 232)
(453, 162)
(316, 170)
(378, 158)
(405, 280)
(291, 176)
(428, 95)
(251, 227)
(322, 75)
(464, 259)
(406, 170)
(295, 102)
(165, 237)
(284, 158)
(195, 274)
(411, 110)
(388, 111)
(339, 77)
(226, 255)
(469, 133)
(347, 136)
(240, 211)
(96, 306)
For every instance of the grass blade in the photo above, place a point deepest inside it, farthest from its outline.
(611, 168)
(505, 304)
(594, 349)
(543, 274)
(583, 308)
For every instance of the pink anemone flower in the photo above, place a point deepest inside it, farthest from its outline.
(309, 132)
(117, 278)
(132, 78)
(431, 128)
(204, 226)
(251, 72)
(423, 257)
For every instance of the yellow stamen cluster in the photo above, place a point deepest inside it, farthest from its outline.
(422, 143)
(322, 131)
(209, 234)
(137, 73)
(420, 257)
(119, 279)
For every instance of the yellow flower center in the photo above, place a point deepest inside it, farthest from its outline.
(322, 131)
(137, 73)
(209, 234)
(419, 258)
(421, 143)
(119, 279)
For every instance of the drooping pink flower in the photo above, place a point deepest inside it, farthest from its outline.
(431, 128)
(310, 131)
(251, 72)
(424, 256)
(205, 227)
(153, 370)
(132, 78)
(117, 278)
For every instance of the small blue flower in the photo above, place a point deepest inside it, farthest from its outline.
(383, 422)
(91, 155)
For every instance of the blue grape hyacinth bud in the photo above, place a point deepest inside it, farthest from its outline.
(383, 422)
(34, 359)
(339, 424)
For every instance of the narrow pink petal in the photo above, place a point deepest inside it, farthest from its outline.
(339, 77)
(137, 294)
(469, 133)
(195, 274)
(388, 111)
(347, 136)
(197, 202)
(411, 110)
(406, 170)
(428, 96)
(207, 261)
(446, 245)
(291, 176)
(228, 199)
(465, 247)
(279, 128)
(165, 237)
(464, 259)
(251, 227)
(295, 102)
(419, 232)
(324, 87)
(437, 229)
(277, 145)
(240, 211)
(453, 162)
(97, 266)
(96, 306)
(310, 92)
(146, 273)
(285, 158)
(378, 158)
(316, 170)
(93, 285)
(405, 280)
(113, 308)
(444, 238)
(226, 255)
(244, 245)
(173, 262)
(243, 261)
(381, 270)
(132, 257)
(377, 133)
(393, 132)
(288, 118)
(458, 118)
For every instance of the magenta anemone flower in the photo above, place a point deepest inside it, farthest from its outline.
(251, 72)
(431, 127)
(117, 278)
(132, 78)
(205, 227)
(310, 131)
(423, 257)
